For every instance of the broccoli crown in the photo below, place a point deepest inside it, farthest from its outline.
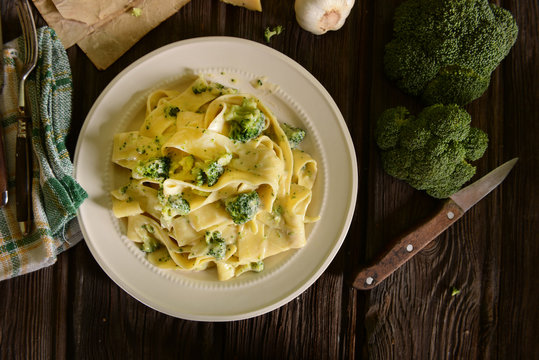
(295, 135)
(269, 33)
(246, 120)
(430, 150)
(243, 207)
(216, 243)
(445, 51)
(155, 169)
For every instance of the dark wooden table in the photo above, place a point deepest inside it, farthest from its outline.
(73, 310)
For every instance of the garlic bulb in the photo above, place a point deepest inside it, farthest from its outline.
(319, 16)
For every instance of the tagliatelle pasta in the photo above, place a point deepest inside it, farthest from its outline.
(214, 181)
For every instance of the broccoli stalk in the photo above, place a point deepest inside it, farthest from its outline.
(295, 135)
(246, 120)
(445, 51)
(430, 151)
(243, 207)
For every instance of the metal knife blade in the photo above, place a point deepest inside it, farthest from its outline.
(403, 248)
(471, 194)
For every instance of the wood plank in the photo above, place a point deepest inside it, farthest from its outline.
(518, 312)
(418, 296)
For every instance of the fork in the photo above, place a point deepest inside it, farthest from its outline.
(23, 155)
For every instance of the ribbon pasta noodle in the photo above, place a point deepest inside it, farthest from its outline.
(215, 180)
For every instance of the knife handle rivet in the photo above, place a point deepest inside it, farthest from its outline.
(369, 280)
(409, 248)
(450, 215)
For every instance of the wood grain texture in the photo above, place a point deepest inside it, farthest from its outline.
(73, 310)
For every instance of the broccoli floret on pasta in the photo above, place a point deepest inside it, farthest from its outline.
(243, 207)
(295, 135)
(216, 244)
(176, 205)
(149, 242)
(155, 169)
(210, 171)
(256, 266)
(246, 120)
(171, 111)
(199, 86)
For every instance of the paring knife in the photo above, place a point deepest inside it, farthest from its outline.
(404, 248)
(3, 167)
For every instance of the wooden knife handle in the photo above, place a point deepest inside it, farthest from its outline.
(23, 174)
(403, 248)
(3, 171)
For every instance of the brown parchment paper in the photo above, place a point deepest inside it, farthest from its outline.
(104, 32)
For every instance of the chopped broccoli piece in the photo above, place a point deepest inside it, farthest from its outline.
(149, 243)
(243, 207)
(171, 111)
(217, 246)
(268, 34)
(246, 120)
(173, 205)
(256, 266)
(430, 151)
(210, 171)
(155, 169)
(295, 135)
(454, 291)
(178, 205)
(199, 87)
(199, 175)
(213, 171)
(445, 51)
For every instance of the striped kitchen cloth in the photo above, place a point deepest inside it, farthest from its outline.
(56, 196)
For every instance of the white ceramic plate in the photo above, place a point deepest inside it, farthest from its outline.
(296, 97)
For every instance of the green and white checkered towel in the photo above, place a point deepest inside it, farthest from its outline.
(56, 196)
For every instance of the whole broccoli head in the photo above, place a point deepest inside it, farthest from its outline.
(430, 151)
(445, 51)
(246, 120)
(295, 135)
(243, 207)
